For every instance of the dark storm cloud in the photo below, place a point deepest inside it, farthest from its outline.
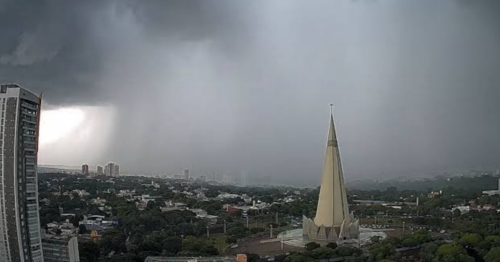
(231, 85)
(53, 46)
(44, 46)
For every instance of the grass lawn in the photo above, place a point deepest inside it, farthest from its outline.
(218, 240)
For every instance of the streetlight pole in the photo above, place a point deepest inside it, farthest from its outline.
(359, 240)
(403, 228)
(208, 233)
(271, 232)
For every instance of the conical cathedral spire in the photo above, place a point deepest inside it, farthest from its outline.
(332, 208)
(333, 221)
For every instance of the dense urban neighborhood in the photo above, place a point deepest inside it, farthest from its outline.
(133, 218)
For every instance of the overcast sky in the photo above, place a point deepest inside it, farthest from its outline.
(158, 86)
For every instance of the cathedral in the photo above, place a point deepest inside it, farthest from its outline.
(333, 222)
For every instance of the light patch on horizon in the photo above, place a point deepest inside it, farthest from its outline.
(69, 135)
(58, 123)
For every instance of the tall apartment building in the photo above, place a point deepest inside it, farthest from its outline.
(112, 169)
(19, 218)
(186, 174)
(107, 169)
(60, 249)
(85, 169)
(116, 170)
(100, 171)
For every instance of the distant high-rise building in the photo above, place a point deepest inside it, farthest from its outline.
(108, 169)
(20, 239)
(99, 171)
(85, 169)
(186, 174)
(112, 169)
(116, 170)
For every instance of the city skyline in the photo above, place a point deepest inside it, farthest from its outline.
(161, 93)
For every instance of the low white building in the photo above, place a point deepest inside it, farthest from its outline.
(170, 206)
(153, 184)
(147, 198)
(202, 214)
(289, 199)
(227, 196)
(98, 201)
(493, 192)
(125, 193)
(462, 209)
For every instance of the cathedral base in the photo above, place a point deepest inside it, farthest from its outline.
(347, 231)
(296, 238)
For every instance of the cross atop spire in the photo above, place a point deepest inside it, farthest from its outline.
(331, 109)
